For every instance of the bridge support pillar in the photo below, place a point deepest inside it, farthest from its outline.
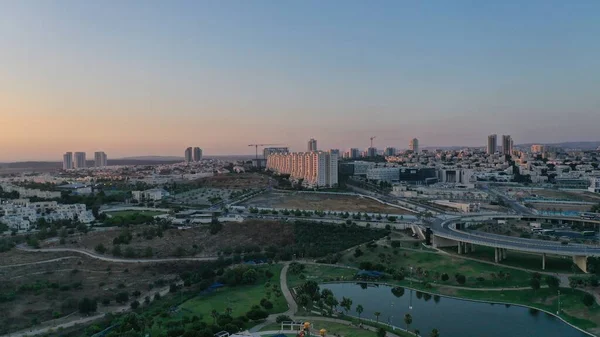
(467, 247)
(504, 254)
(497, 255)
(544, 261)
(460, 247)
(581, 262)
(472, 247)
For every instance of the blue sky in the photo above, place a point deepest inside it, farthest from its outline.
(159, 76)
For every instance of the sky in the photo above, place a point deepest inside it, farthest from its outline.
(154, 77)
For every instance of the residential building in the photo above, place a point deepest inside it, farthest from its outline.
(594, 185)
(389, 151)
(312, 145)
(30, 193)
(507, 145)
(68, 161)
(99, 159)
(537, 148)
(459, 206)
(371, 152)
(150, 195)
(272, 150)
(189, 155)
(414, 145)
(335, 151)
(315, 168)
(80, 162)
(492, 144)
(352, 153)
(418, 175)
(197, 154)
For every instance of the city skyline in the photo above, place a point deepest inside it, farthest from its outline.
(446, 73)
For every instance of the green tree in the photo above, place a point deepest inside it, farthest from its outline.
(346, 304)
(552, 282)
(381, 332)
(435, 333)
(359, 310)
(250, 276)
(588, 300)
(408, 321)
(100, 248)
(87, 306)
(377, 314)
(535, 284)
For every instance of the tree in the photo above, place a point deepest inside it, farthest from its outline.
(588, 300)
(552, 282)
(122, 297)
(407, 320)
(359, 310)
(135, 304)
(100, 249)
(377, 314)
(435, 333)
(346, 304)
(445, 277)
(381, 332)
(461, 279)
(304, 300)
(87, 306)
(249, 276)
(214, 314)
(331, 301)
(535, 284)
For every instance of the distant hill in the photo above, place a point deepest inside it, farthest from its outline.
(152, 158)
(569, 145)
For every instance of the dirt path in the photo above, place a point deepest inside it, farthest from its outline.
(115, 259)
(39, 262)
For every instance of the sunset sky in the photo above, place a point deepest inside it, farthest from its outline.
(153, 77)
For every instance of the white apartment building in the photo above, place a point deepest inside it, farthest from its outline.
(317, 168)
(594, 185)
(21, 214)
(68, 161)
(150, 195)
(387, 174)
(29, 192)
(79, 162)
(100, 159)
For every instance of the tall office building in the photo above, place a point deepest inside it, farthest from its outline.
(273, 150)
(389, 151)
(315, 168)
(354, 153)
(79, 161)
(312, 145)
(197, 154)
(492, 144)
(507, 145)
(371, 152)
(68, 161)
(188, 155)
(99, 159)
(414, 145)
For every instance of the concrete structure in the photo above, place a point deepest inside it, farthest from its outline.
(448, 233)
(100, 159)
(418, 175)
(80, 161)
(188, 154)
(30, 192)
(371, 152)
(272, 150)
(76, 188)
(315, 169)
(68, 161)
(470, 207)
(492, 144)
(389, 151)
(150, 195)
(21, 214)
(352, 153)
(507, 145)
(197, 154)
(414, 145)
(387, 174)
(455, 176)
(594, 185)
(312, 145)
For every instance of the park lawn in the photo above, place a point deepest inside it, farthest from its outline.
(319, 274)
(240, 299)
(572, 307)
(556, 264)
(440, 263)
(132, 212)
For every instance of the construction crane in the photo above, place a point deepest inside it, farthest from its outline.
(372, 140)
(262, 145)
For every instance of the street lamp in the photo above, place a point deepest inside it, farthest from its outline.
(558, 310)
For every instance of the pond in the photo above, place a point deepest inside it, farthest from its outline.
(452, 317)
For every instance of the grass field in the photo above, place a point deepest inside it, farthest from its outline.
(336, 329)
(571, 305)
(558, 264)
(319, 274)
(240, 299)
(132, 212)
(441, 263)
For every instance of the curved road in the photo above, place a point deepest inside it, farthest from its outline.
(446, 229)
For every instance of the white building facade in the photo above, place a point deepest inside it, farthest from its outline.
(316, 168)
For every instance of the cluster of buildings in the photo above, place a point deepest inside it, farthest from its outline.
(314, 168)
(78, 160)
(29, 192)
(370, 152)
(193, 154)
(22, 215)
(154, 194)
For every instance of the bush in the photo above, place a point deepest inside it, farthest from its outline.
(283, 318)
(588, 300)
(122, 297)
(445, 277)
(461, 279)
(135, 305)
(87, 306)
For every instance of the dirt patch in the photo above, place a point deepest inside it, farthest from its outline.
(235, 181)
(195, 241)
(321, 201)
